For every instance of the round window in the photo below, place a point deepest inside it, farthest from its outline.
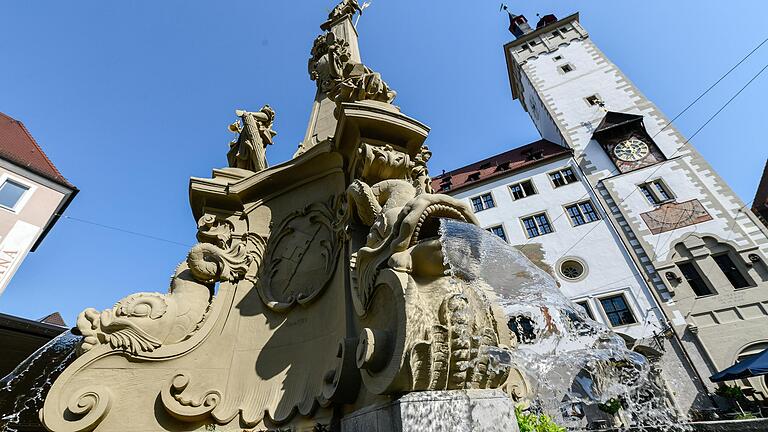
(571, 269)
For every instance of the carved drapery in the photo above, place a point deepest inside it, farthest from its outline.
(248, 150)
(343, 80)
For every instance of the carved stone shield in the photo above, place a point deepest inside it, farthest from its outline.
(301, 257)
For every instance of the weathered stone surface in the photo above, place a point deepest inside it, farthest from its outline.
(318, 287)
(438, 411)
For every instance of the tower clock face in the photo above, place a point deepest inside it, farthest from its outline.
(631, 150)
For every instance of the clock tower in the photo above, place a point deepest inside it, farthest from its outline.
(699, 248)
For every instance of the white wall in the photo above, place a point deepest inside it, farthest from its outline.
(609, 268)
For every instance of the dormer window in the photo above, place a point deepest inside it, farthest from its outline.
(475, 176)
(504, 166)
(485, 166)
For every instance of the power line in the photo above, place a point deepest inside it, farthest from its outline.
(711, 87)
(690, 105)
(148, 236)
(712, 117)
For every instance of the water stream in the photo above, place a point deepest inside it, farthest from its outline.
(573, 364)
(22, 392)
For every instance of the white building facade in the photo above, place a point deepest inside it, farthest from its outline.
(670, 237)
(700, 248)
(537, 198)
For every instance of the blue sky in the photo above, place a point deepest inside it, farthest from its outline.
(130, 99)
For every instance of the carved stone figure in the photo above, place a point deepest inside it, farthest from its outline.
(248, 151)
(448, 339)
(346, 7)
(318, 288)
(342, 79)
(143, 322)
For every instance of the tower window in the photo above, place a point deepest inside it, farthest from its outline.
(522, 189)
(593, 100)
(695, 279)
(483, 202)
(729, 269)
(582, 213)
(537, 225)
(656, 192)
(566, 68)
(563, 177)
(499, 231)
(617, 310)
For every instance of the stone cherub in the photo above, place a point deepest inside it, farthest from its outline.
(248, 151)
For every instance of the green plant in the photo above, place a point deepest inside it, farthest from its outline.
(730, 392)
(611, 406)
(744, 416)
(530, 422)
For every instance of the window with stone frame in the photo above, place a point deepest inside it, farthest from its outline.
(563, 177)
(656, 192)
(582, 213)
(522, 190)
(585, 305)
(482, 202)
(536, 225)
(710, 266)
(499, 231)
(617, 310)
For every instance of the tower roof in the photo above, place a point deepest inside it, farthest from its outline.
(18, 146)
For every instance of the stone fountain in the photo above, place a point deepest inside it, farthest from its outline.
(317, 297)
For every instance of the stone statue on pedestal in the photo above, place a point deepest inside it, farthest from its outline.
(248, 150)
(318, 289)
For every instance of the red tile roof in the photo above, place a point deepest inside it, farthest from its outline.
(18, 146)
(54, 319)
(499, 165)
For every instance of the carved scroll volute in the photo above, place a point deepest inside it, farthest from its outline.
(186, 404)
(83, 411)
(380, 352)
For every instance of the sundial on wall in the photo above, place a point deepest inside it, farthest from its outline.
(672, 216)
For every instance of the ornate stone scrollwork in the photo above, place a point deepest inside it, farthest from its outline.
(425, 330)
(84, 411)
(183, 404)
(301, 256)
(143, 322)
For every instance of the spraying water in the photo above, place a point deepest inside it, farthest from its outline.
(574, 364)
(22, 392)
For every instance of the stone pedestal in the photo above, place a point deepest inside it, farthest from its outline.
(438, 411)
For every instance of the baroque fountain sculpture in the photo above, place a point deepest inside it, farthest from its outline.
(318, 287)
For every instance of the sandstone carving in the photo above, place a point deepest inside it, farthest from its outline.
(248, 151)
(346, 7)
(318, 286)
(301, 256)
(343, 80)
(143, 322)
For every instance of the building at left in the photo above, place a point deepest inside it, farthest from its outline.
(33, 195)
